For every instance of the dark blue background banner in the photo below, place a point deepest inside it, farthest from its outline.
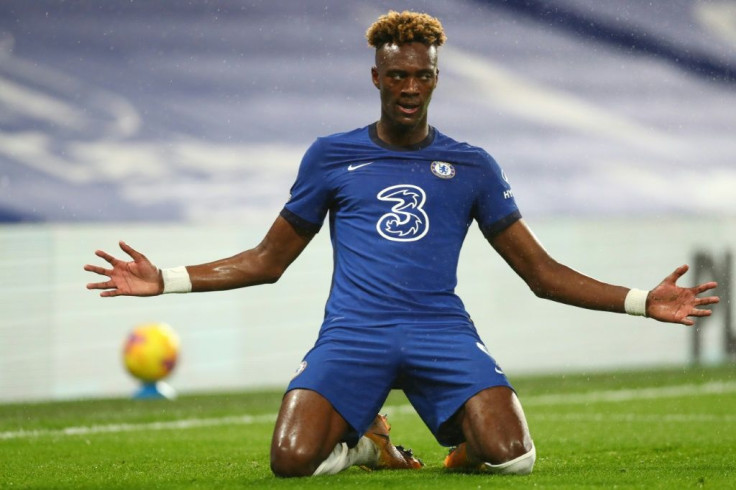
(200, 111)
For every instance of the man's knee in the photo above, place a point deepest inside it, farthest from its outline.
(307, 425)
(288, 461)
(503, 451)
(495, 429)
(520, 465)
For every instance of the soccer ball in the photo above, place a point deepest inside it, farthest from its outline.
(151, 351)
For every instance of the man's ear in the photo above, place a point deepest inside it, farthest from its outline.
(374, 76)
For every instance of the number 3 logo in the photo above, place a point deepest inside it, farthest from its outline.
(407, 221)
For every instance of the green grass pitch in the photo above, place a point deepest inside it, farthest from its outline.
(672, 428)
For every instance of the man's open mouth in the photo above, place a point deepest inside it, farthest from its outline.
(408, 108)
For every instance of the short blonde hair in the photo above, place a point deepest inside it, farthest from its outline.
(405, 27)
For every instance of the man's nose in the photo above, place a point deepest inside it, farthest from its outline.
(411, 86)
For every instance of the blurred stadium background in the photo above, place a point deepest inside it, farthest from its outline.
(179, 127)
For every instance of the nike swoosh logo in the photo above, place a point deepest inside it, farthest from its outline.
(354, 166)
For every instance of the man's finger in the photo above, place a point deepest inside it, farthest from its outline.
(134, 254)
(677, 273)
(709, 300)
(101, 285)
(705, 287)
(106, 256)
(697, 312)
(98, 270)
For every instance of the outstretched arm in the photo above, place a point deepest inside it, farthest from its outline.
(262, 264)
(551, 280)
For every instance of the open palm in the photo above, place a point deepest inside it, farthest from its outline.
(669, 302)
(138, 277)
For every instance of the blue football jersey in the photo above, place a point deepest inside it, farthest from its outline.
(398, 217)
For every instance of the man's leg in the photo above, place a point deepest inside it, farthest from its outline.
(307, 430)
(496, 434)
(308, 434)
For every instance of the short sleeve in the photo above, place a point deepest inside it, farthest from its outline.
(310, 196)
(495, 207)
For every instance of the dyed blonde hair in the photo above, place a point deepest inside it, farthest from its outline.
(405, 27)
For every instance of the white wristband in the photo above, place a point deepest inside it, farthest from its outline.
(176, 280)
(636, 302)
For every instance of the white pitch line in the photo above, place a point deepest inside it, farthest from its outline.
(167, 425)
(713, 388)
(635, 417)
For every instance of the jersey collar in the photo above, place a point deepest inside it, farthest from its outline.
(373, 132)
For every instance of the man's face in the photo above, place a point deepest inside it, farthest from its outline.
(406, 76)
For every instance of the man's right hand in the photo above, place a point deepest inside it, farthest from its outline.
(138, 277)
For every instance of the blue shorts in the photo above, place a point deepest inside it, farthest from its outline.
(439, 367)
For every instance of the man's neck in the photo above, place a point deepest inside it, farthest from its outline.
(401, 135)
